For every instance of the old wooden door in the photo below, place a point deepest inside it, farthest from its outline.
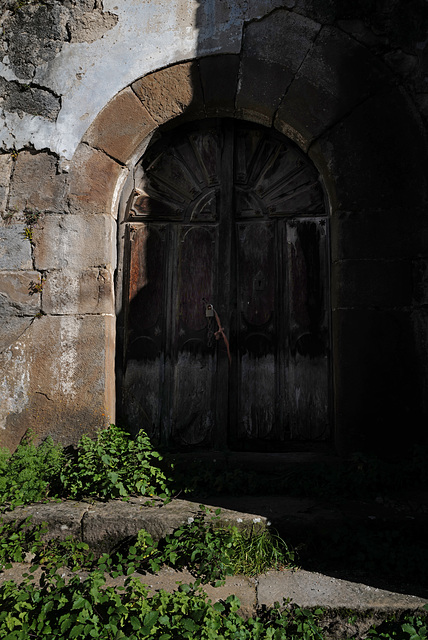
(229, 213)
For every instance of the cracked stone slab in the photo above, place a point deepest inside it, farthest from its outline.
(106, 524)
(273, 50)
(62, 518)
(11, 328)
(309, 589)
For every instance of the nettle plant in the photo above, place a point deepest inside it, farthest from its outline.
(115, 465)
(112, 465)
(31, 474)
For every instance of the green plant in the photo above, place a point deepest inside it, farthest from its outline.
(415, 627)
(89, 609)
(255, 551)
(70, 553)
(31, 473)
(28, 234)
(36, 287)
(211, 552)
(115, 465)
(31, 217)
(16, 540)
(410, 627)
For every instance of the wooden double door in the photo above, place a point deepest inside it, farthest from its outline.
(229, 214)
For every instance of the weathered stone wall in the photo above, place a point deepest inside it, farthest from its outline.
(84, 86)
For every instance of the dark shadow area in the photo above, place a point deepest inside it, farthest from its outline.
(361, 519)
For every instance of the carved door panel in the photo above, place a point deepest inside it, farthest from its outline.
(229, 213)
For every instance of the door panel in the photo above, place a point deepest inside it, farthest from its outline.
(257, 342)
(145, 342)
(308, 367)
(192, 415)
(233, 214)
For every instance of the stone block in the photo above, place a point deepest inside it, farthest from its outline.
(381, 284)
(62, 519)
(36, 184)
(172, 92)
(93, 178)
(58, 379)
(74, 242)
(217, 26)
(375, 156)
(261, 87)
(304, 112)
(11, 327)
(18, 294)
(106, 524)
(337, 74)
(6, 164)
(323, 11)
(273, 50)
(259, 8)
(121, 126)
(15, 249)
(344, 68)
(219, 77)
(282, 38)
(370, 234)
(77, 292)
(311, 590)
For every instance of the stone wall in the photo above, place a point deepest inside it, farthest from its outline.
(85, 85)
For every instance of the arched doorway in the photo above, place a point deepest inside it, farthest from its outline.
(232, 214)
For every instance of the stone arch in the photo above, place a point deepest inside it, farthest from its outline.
(365, 139)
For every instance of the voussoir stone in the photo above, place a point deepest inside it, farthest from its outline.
(121, 126)
(171, 92)
(219, 76)
(93, 180)
(269, 62)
